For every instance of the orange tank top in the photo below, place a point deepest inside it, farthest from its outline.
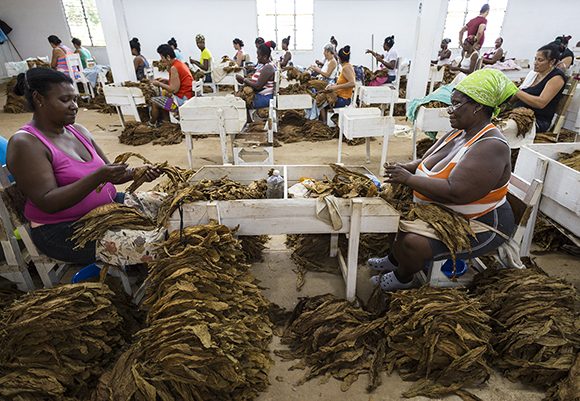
(185, 80)
(343, 93)
(477, 208)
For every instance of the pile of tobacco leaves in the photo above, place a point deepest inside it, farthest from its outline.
(208, 328)
(136, 134)
(14, 103)
(55, 343)
(523, 117)
(548, 238)
(571, 160)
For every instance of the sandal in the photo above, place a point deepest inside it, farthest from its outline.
(389, 282)
(383, 264)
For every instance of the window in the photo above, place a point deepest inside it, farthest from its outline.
(84, 21)
(459, 12)
(278, 19)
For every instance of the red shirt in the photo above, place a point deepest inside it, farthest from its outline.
(473, 27)
(185, 80)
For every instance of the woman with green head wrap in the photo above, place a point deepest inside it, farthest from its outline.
(467, 171)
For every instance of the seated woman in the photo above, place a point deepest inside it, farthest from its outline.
(345, 84)
(467, 171)
(469, 56)
(180, 84)
(139, 62)
(444, 55)
(205, 59)
(387, 61)
(329, 70)
(173, 43)
(495, 55)
(543, 87)
(262, 81)
(84, 53)
(239, 57)
(286, 59)
(61, 185)
(566, 55)
(59, 53)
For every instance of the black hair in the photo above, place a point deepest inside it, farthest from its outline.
(134, 44)
(264, 50)
(38, 80)
(76, 41)
(551, 51)
(166, 50)
(501, 39)
(286, 40)
(172, 42)
(271, 44)
(484, 9)
(239, 42)
(564, 39)
(390, 40)
(344, 54)
(259, 40)
(334, 41)
(54, 40)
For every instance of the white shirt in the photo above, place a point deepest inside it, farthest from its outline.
(388, 57)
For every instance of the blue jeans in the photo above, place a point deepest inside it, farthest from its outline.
(341, 102)
(262, 101)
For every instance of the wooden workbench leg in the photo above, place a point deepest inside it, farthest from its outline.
(414, 144)
(353, 243)
(189, 146)
(333, 245)
(368, 146)
(339, 157)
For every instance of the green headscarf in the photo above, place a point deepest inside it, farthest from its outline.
(488, 87)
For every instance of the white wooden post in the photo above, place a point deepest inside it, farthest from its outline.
(333, 245)
(189, 146)
(353, 243)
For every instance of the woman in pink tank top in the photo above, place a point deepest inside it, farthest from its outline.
(58, 167)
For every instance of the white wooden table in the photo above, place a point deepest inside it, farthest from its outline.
(291, 216)
(125, 100)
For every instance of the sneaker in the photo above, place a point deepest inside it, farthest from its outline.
(389, 282)
(384, 264)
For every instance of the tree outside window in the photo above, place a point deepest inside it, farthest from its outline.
(84, 22)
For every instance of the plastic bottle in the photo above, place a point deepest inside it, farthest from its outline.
(275, 185)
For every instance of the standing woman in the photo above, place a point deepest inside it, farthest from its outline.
(262, 81)
(285, 60)
(61, 184)
(59, 53)
(173, 43)
(329, 70)
(469, 57)
(387, 61)
(204, 62)
(239, 57)
(345, 84)
(180, 84)
(139, 62)
(84, 53)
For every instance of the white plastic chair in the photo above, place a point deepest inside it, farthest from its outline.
(76, 73)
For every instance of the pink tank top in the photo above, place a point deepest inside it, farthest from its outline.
(67, 171)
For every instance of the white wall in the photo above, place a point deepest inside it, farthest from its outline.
(530, 24)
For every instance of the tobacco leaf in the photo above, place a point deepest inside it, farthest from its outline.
(523, 117)
(571, 160)
(136, 134)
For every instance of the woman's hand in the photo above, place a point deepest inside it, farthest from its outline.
(240, 78)
(397, 174)
(152, 173)
(453, 68)
(114, 173)
(156, 83)
(368, 51)
(331, 88)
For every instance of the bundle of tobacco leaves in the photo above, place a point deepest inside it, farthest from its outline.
(566, 135)
(448, 75)
(440, 338)
(399, 196)
(112, 216)
(434, 104)
(98, 103)
(222, 189)
(317, 84)
(309, 130)
(292, 117)
(208, 327)
(177, 176)
(423, 146)
(145, 86)
(569, 388)
(37, 63)
(247, 94)
(345, 184)
(523, 117)
(14, 103)
(571, 160)
(169, 186)
(535, 323)
(549, 238)
(326, 97)
(336, 339)
(139, 134)
(293, 73)
(232, 67)
(295, 89)
(159, 65)
(253, 247)
(55, 343)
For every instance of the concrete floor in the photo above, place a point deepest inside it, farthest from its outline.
(276, 274)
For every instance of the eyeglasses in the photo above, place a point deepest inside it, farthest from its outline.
(454, 108)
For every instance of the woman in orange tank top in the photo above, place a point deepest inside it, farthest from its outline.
(345, 83)
(467, 171)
